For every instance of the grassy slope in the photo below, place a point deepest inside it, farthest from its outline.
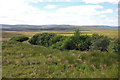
(22, 60)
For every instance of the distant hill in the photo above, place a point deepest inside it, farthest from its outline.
(6, 27)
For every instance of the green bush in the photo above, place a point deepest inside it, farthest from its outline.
(83, 43)
(77, 42)
(68, 44)
(42, 39)
(57, 45)
(19, 38)
(99, 42)
(56, 39)
(116, 45)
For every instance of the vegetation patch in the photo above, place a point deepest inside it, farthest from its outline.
(19, 38)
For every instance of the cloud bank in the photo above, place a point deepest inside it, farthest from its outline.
(21, 12)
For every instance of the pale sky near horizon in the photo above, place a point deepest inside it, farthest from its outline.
(72, 12)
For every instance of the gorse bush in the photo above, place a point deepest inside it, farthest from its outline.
(99, 42)
(19, 38)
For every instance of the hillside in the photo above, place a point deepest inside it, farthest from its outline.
(22, 60)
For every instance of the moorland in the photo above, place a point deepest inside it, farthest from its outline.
(31, 59)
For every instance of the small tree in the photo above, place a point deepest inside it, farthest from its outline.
(77, 33)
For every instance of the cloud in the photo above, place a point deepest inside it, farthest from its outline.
(17, 11)
(85, 15)
(86, 1)
(107, 11)
(102, 16)
(37, 1)
(21, 12)
(81, 10)
(101, 1)
(50, 6)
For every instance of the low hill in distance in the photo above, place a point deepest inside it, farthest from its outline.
(6, 27)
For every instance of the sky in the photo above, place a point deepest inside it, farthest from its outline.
(69, 12)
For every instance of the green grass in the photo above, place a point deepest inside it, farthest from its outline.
(22, 60)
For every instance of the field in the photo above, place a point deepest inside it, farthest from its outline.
(23, 60)
(110, 33)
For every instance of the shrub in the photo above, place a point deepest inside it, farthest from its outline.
(41, 39)
(69, 44)
(58, 45)
(110, 47)
(99, 42)
(116, 45)
(19, 38)
(83, 43)
(56, 39)
(77, 42)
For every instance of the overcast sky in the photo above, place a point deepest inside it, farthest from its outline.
(72, 12)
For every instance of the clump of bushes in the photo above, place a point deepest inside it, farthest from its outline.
(75, 42)
(19, 38)
(46, 39)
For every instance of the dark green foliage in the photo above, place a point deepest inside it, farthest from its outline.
(83, 43)
(34, 39)
(56, 39)
(99, 42)
(42, 39)
(58, 45)
(19, 38)
(69, 44)
(77, 42)
(116, 45)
